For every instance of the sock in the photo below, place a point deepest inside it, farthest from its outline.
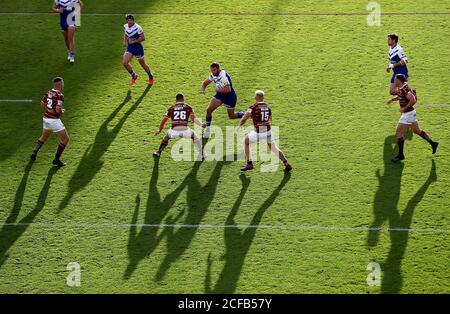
(162, 146)
(38, 146)
(400, 142)
(150, 74)
(249, 162)
(208, 121)
(239, 114)
(72, 54)
(132, 73)
(59, 150)
(425, 137)
(198, 146)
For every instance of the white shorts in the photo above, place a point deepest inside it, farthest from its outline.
(253, 137)
(408, 118)
(184, 134)
(55, 125)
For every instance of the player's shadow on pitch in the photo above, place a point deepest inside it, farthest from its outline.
(386, 209)
(237, 242)
(91, 162)
(142, 244)
(10, 233)
(199, 198)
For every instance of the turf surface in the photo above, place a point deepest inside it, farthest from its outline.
(324, 77)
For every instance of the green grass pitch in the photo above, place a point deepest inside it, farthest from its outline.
(323, 75)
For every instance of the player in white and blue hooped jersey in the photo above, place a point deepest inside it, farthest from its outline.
(225, 94)
(67, 10)
(397, 61)
(133, 37)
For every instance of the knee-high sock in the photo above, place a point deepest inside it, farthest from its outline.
(59, 150)
(38, 146)
(400, 143)
(425, 137)
(163, 145)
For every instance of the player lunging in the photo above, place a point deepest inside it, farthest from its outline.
(225, 94)
(132, 39)
(398, 61)
(261, 115)
(53, 102)
(408, 118)
(180, 113)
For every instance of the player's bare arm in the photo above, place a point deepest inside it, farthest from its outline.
(136, 41)
(162, 125)
(205, 84)
(57, 9)
(224, 90)
(246, 116)
(390, 101)
(396, 65)
(412, 100)
(195, 120)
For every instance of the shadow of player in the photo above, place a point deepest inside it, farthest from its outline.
(91, 162)
(12, 230)
(237, 242)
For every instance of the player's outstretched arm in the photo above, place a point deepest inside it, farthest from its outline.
(243, 120)
(81, 5)
(162, 125)
(205, 84)
(195, 120)
(390, 101)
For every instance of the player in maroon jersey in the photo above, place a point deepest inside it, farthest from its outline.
(261, 115)
(408, 119)
(180, 113)
(53, 102)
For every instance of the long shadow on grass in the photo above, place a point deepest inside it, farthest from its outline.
(237, 242)
(386, 209)
(199, 199)
(12, 230)
(91, 162)
(142, 244)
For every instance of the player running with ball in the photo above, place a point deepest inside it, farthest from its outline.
(53, 102)
(408, 119)
(225, 94)
(180, 113)
(132, 39)
(261, 115)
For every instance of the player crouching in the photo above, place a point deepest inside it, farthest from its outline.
(179, 113)
(261, 115)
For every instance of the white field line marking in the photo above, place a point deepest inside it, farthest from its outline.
(219, 226)
(15, 100)
(234, 14)
(433, 105)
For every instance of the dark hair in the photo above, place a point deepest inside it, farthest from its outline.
(57, 79)
(215, 65)
(179, 96)
(393, 37)
(129, 17)
(401, 77)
